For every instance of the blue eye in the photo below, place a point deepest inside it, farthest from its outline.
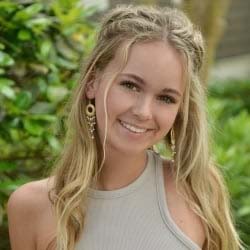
(130, 85)
(167, 99)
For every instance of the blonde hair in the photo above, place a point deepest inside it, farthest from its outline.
(81, 159)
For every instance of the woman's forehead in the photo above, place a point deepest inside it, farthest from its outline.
(155, 62)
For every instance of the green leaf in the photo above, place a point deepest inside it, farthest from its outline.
(69, 30)
(42, 108)
(28, 12)
(7, 91)
(33, 127)
(54, 143)
(44, 117)
(7, 166)
(54, 78)
(5, 88)
(2, 46)
(244, 211)
(6, 82)
(42, 85)
(65, 50)
(38, 24)
(14, 134)
(33, 142)
(23, 99)
(56, 93)
(90, 11)
(2, 71)
(8, 6)
(24, 35)
(66, 63)
(5, 59)
(15, 123)
(39, 68)
(45, 48)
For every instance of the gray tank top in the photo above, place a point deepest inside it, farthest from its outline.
(135, 217)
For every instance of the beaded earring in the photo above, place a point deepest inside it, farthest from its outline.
(172, 144)
(91, 119)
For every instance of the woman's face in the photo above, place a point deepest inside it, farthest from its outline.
(143, 100)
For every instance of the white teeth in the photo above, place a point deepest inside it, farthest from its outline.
(132, 128)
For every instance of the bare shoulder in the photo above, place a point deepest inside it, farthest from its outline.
(183, 216)
(30, 196)
(26, 208)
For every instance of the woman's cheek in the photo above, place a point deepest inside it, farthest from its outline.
(122, 98)
(168, 115)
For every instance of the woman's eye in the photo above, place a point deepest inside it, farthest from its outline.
(167, 99)
(130, 85)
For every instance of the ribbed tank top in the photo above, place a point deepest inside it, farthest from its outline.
(135, 217)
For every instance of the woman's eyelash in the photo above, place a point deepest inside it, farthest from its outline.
(130, 85)
(167, 99)
(133, 86)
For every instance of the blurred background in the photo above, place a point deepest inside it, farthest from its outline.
(42, 44)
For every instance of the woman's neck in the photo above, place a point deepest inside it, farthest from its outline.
(119, 169)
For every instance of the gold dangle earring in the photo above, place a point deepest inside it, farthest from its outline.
(91, 120)
(172, 144)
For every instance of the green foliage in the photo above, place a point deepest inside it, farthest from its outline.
(229, 108)
(41, 44)
(234, 96)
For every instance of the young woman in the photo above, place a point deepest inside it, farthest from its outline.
(110, 190)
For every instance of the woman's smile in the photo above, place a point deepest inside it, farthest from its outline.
(135, 130)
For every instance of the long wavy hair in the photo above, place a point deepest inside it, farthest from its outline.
(82, 158)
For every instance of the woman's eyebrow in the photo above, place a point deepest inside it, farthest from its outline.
(142, 81)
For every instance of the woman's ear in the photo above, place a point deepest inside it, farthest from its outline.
(92, 85)
(90, 89)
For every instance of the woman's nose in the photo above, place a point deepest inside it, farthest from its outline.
(142, 108)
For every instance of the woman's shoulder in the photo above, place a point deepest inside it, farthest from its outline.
(30, 195)
(26, 207)
(181, 212)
